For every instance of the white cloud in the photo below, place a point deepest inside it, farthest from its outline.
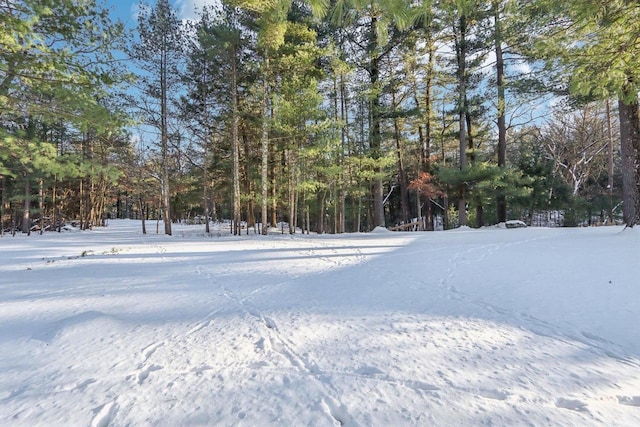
(188, 9)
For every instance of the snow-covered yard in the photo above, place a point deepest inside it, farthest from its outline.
(465, 327)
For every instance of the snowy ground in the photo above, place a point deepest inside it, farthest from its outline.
(466, 327)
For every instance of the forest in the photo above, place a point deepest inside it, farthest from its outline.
(329, 116)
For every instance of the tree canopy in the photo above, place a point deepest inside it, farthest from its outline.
(329, 116)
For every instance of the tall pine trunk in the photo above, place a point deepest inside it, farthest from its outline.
(164, 137)
(375, 138)
(426, 148)
(630, 151)
(26, 213)
(402, 179)
(461, 52)
(41, 203)
(293, 167)
(142, 214)
(264, 171)
(235, 124)
(344, 113)
(3, 190)
(205, 196)
(502, 125)
(610, 162)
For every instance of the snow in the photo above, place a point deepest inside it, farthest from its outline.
(527, 326)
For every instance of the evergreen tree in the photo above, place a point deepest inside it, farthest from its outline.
(594, 42)
(56, 67)
(159, 54)
(378, 27)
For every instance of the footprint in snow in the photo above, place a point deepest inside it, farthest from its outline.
(262, 345)
(419, 385)
(496, 394)
(368, 371)
(144, 374)
(149, 350)
(199, 327)
(629, 400)
(270, 323)
(84, 384)
(572, 404)
(104, 414)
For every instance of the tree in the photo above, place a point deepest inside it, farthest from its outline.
(159, 54)
(384, 24)
(462, 17)
(200, 104)
(595, 43)
(56, 68)
(500, 84)
(576, 142)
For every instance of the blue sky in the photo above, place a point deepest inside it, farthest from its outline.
(125, 10)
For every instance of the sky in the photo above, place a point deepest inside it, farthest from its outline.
(126, 10)
(494, 326)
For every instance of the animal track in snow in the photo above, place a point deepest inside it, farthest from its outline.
(150, 349)
(629, 400)
(368, 371)
(337, 411)
(84, 384)
(199, 327)
(104, 414)
(419, 385)
(270, 323)
(572, 404)
(495, 394)
(144, 373)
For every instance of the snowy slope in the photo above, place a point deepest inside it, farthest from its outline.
(465, 327)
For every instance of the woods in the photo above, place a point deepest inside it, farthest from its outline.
(329, 117)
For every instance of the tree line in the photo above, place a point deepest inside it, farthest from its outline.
(329, 116)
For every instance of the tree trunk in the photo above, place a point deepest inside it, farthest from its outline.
(164, 137)
(250, 216)
(205, 193)
(502, 125)
(235, 144)
(141, 206)
(3, 189)
(41, 203)
(402, 179)
(264, 172)
(445, 214)
(358, 213)
(375, 138)
(274, 191)
(610, 163)
(344, 113)
(629, 148)
(320, 219)
(54, 201)
(306, 210)
(426, 146)
(81, 201)
(26, 214)
(292, 166)
(480, 214)
(461, 51)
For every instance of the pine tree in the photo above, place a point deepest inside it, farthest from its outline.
(383, 25)
(159, 53)
(594, 42)
(56, 67)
